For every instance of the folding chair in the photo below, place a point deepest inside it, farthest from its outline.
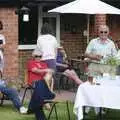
(62, 81)
(27, 86)
(59, 77)
(2, 96)
(55, 108)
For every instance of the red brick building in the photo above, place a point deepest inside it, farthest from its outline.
(21, 36)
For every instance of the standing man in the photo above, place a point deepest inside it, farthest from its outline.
(98, 49)
(102, 46)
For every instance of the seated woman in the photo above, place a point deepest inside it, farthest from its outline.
(37, 70)
(63, 66)
(11, 94)
(41, 77)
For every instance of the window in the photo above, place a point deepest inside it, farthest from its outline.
(28, 31)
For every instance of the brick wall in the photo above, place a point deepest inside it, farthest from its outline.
(74, 44)
(24, 56)
(100, 19)
(10, 31)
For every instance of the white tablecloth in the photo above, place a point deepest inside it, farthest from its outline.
(106, 95)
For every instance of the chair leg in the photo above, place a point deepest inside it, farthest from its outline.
(53, 107)
(2, 99)
(24, 95)
(60, 85)
(56, 112)
(68, 110)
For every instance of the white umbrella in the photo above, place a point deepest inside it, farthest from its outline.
(87, 7)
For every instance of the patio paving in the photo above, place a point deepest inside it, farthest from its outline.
(65, 95)
(60, 95)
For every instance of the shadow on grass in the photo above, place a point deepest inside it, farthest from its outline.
(111, 114)
(8, 112)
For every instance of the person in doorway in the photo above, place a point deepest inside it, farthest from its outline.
(63, 66)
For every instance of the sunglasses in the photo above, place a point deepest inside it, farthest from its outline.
(38, 56)
(104, 32)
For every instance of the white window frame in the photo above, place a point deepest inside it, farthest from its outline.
(40, 23)
(55, 15)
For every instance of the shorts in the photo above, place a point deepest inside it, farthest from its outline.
(51, 64)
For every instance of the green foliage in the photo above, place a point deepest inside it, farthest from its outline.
(113, 61)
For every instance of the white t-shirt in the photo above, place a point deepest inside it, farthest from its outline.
(2, 38)
(1, 61)
(48, 46)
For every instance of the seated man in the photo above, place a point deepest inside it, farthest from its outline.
(12, 94)
(41, 77)
(62, 66)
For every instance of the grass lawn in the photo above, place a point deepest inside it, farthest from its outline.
(8, 112)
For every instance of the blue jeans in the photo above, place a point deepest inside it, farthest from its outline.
(12, 94)
(41, 93)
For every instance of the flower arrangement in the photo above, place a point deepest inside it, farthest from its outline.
(112, 60)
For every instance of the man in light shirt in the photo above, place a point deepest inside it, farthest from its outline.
(102, 46)
(97, 50)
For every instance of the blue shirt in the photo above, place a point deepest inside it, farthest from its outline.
(59, 58)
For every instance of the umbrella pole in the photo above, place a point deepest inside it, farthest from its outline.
(88, 25)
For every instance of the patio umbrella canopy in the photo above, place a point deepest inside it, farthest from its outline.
(87, 7)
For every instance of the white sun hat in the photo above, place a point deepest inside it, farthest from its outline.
(36, 52)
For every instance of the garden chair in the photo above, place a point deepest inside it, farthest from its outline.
(27, 86)
(54, 107)
(60, 81)
(53, 102)
(2, 96)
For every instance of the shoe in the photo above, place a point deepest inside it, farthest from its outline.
(47, 106)
(103, 111)
(23, 110)
(97, 111)
(29, 111)
(87, 110)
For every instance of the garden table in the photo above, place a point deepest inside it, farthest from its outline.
(103, 93)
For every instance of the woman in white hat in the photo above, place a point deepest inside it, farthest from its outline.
(41, 76)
